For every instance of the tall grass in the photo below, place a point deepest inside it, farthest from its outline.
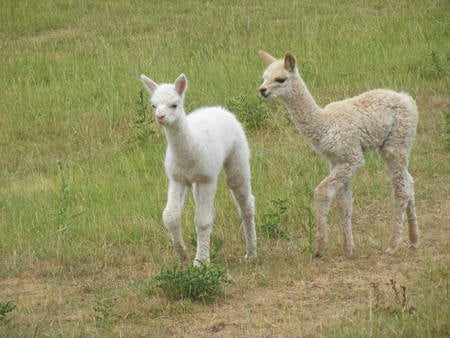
(81, 179)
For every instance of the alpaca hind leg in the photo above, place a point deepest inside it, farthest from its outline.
(323, 195)
(344, 203)
(412, 218)
(246, 206)
(402, 197)
(204, 218)
(238, 180)
(172, 217)
(396, 159)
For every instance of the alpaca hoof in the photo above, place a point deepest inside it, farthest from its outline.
(413, 246)
(348, 252)
(200, 262)
(250, 256)
(348, 249)
(391, 249)
(181, 253)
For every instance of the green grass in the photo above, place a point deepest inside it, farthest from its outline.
(203, 283)
(5, 308)
(82, 186)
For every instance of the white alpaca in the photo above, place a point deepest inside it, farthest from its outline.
(341, 132)
(199, 145)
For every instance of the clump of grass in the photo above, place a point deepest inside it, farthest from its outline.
(144, 121)
(308, 227)
(447, 128)
(395, 303)
(271, 226)
(199, 283)
(251, 112)
(437, 65)
(5, 308)
(62, 212)
(64, 216)
(105, 315)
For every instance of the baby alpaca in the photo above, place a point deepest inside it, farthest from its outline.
(341, 132)
(199, 145)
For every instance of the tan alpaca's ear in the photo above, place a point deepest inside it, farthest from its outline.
(267, 58)
(290, 63)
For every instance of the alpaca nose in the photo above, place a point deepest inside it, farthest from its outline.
(160, 117)
(263, 91)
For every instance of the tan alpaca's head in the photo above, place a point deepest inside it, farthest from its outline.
(277, 78)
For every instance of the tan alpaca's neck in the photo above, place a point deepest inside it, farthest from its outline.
(304, 111)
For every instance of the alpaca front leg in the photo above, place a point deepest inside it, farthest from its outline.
(323, 196)
(344, 203)
(204, 218)
(172, 222)
(172, 217)
(322, 203)
(203, 243)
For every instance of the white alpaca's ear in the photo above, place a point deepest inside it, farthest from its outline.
(149, 84)
(181, 84)
(267, 58)
(290, 62)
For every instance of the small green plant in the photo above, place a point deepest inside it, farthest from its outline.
(271, 227)
(252, 113)
(5, 308)
(144, 121)
(105, 315)
(447, 128)
(437, 64)
(202, 283)
(63, 215)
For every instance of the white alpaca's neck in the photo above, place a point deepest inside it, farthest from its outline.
(179, 137)
(304, 111)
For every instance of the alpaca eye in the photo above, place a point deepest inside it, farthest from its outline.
(153, 106)
(174, 106)
(279, 80)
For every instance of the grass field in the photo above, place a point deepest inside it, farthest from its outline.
(82, 186)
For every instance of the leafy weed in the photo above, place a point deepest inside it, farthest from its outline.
(200, 283)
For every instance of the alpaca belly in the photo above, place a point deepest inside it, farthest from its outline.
(374, 138)
(191, 179)
(188, 174)
(190, 169)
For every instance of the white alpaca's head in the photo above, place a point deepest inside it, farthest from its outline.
(166, 99)
(277, 78)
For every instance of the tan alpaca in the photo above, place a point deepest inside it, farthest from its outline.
(341, 132)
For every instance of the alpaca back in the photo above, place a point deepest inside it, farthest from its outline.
(214, 134)
(372, 117)
(217, 126)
